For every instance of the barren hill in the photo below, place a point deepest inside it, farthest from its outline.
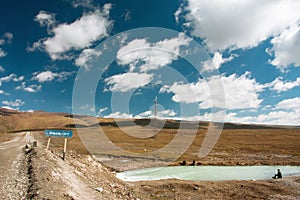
(12, 121)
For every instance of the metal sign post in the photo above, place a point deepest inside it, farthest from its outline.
(60, 134)
(48, 143)
(65, 148)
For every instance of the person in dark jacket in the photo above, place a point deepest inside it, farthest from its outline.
(278, 175)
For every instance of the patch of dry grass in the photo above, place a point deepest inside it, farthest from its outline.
(237, 145)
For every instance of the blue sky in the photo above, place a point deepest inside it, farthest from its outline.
(251, 47)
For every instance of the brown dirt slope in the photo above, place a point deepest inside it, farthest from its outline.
(82, 177)
(12, 121)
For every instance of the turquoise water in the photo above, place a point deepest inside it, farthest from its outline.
(208, 173)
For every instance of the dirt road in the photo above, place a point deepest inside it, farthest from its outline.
(13, 178)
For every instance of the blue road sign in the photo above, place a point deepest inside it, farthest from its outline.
(59, 133)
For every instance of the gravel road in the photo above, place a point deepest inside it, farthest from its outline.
(13, 174)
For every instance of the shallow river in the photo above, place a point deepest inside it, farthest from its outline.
(209, 173)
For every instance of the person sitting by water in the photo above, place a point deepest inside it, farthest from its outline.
(183, 163)
(278, 175)
(193, 163)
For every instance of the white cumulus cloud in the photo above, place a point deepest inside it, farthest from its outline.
(11, 77)
(169, 113)
(281, 86)
(293, 103)
(216, 62)
(47, 76)
(44, 76)
(166, 113)
(145, 114)
(3, 92)
(85, 57)
(15, 103)
(29, 88)
(239, 24)
(119, 115)
(286, 112)
(101, 110)
(279, 118)
(78, 35)
(82, 3)
(45, 18)
(2, 53)
(7, 38)
(151, 56)
(241, 92)
(286, 48)
(234, 118)
(128, 81)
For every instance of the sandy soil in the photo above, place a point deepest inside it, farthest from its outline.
(287, 188)
(34, 173)
(83, 177)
